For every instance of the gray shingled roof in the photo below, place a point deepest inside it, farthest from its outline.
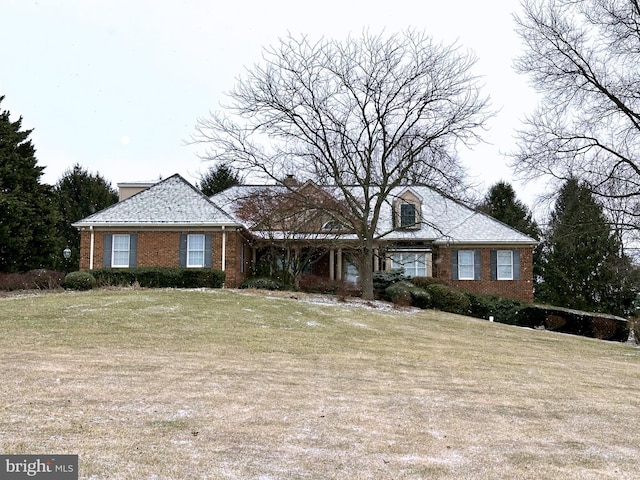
(171, 202)
(444, 220)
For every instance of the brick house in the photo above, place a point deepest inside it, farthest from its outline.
(424, 233)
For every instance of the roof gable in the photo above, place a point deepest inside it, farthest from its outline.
(172, 201)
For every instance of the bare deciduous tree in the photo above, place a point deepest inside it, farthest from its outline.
(584, 57)
(365, 115)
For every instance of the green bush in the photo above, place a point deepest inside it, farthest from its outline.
(577, 322)
(400, 293)
(384, 279)
(406, 293)
(448, 299)
(160, 277)
(503, 310)
(262, 284)
(426, 282)
(79, 281)
(420, 298)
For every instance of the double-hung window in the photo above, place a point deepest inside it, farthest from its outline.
(120, 251)
(466, 263)
(504, 264)
(413, 264)
(195, 251)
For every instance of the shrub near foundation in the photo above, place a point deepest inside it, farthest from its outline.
(262, 284)
(383, 279)
(79, 281)
(406, 294)
(160, 277)
(448, 299)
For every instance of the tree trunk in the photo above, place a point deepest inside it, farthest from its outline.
(366, 271)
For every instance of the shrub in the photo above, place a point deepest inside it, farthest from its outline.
(504, 310)
(160, 277)
(448, 299)
(79, 281)
(40, 279)
(426, 282)
(634, 325)
(400, 293)
(318, 284)
(576, 322)
(262, 284)
(384, 279)
(405, 293)
(421, 298)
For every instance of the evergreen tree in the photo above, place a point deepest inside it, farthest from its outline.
(218, 179)
(583, 264)
(78, 195)
(501, 203)
(28, 217)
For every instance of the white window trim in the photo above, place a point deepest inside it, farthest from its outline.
(421, 253)
(460, 276)
(189, 250)
(498, 265)
(113, 250)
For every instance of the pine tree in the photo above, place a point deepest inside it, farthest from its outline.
(218, 179)
(78, 195)
(501, 203)
(583, 264)
(28, 237)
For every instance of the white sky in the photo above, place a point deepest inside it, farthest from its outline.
(118, 85)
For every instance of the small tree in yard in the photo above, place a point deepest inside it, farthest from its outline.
(364, 115)
(292, 233)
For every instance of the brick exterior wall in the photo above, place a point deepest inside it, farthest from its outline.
(516, 289)
(158, 248)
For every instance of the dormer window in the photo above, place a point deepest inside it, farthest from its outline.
(407, 215)
(333, 225)
(407, 211)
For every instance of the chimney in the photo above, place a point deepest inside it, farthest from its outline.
(290, 181)
(128, 189)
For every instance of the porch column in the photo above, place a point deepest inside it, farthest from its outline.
(376, 260)
(224, 249)
(339, 266)
(91, 247)
(332, 267)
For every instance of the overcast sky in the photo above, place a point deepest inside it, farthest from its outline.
(117, 86)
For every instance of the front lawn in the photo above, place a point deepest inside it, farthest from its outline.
(221, 384)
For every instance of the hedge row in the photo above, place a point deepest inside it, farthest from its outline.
(32, 280)
(605, 327)
(150, 277)
(432, 294)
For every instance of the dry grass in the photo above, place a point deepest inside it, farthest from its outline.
(233, 385)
